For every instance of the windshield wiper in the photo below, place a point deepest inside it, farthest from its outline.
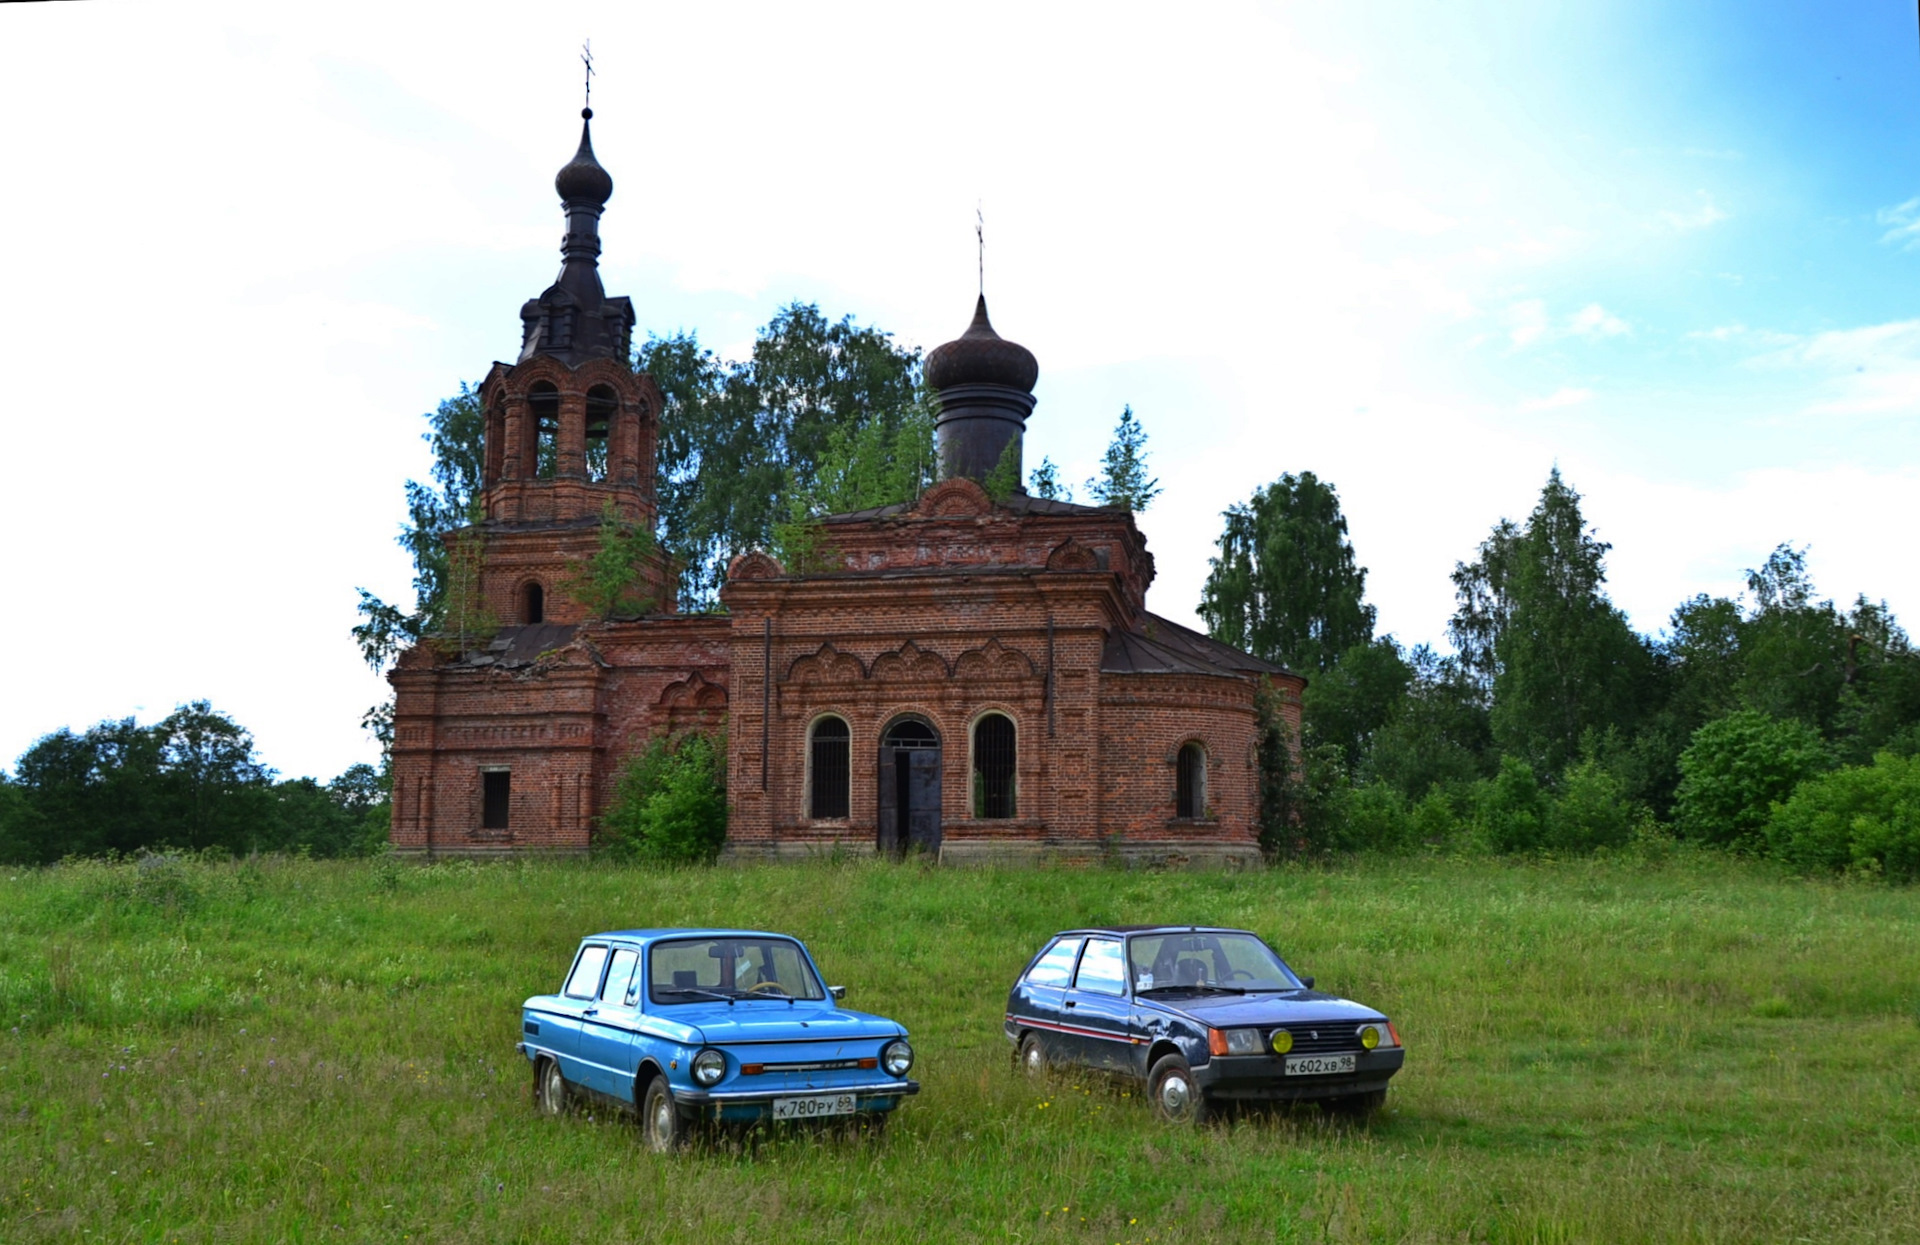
(728, 999)
(1191, 988)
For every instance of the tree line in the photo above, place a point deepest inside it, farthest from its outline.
(1775, 723)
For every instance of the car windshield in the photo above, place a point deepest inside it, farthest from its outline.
(1201, 961)
(693, 970)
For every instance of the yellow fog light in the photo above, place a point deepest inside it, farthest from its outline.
(1282, 1041)
(1369, 1036)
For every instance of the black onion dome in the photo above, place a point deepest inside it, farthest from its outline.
(582, 178)
(981, 356)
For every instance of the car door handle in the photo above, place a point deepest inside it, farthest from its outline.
(1071, 1003)
(591, 1011)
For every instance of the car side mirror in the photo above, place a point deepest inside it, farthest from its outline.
(838, 992)
(1307, 982)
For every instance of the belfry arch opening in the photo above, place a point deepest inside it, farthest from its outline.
(543, 405)
(602, 402)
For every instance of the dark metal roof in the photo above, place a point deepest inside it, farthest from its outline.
(521, 645)
(1163, 647)
(1019, 503)
(981, 356)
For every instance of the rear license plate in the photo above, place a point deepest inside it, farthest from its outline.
(823, 1105)
(1311, 1065)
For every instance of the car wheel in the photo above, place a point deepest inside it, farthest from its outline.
(1357, 1106)
(1034, 1059)
(660, 1120)
(1175, 1097)
(549, 1087)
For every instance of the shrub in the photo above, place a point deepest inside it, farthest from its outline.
(670, 804)
(1590, 811)
(1512, 810)
(1374, 818)
(1866, 816)
(1736, 768)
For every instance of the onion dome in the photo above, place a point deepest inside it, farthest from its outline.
(582, 179)
(981, 356)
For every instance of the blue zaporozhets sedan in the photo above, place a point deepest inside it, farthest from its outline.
(1198, 1016)
(700, 1024)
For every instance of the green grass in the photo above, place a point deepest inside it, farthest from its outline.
(1597, 1051)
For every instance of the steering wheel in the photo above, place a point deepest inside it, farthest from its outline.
(768, 987)
(1239, 974)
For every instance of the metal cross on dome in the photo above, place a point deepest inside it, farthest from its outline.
(586, 58)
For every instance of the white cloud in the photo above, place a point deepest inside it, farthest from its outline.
(1593, 320)
(1527, 322)
(1565, 396)
(1904, 223)
(1700, 217)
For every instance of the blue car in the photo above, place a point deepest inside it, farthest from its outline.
(701, 1024)
(1198, 1016)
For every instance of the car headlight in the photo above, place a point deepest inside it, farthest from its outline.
(1243, 1041)
(1282, 1041)
(1377, 1034)
(709, 1066)
(896, 1057)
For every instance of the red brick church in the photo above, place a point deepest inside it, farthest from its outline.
(971, 679)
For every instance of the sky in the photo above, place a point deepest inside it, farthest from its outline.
(1427, 252)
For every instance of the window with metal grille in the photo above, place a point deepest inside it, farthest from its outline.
(495, 784)
(828, 769)
(1190, 783)
(993, 767)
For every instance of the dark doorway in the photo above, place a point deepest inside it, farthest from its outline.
(495, 788)
(909, 789)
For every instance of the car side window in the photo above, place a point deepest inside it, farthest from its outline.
(1102, 970)
(584, 983)
(1055, 968)
(620, 976)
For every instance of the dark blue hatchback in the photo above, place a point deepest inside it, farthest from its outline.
(1198, 1015)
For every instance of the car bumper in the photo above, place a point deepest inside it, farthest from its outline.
(1264, 1077)
(753, 1104)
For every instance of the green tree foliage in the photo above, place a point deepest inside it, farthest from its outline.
(1123, 479)
(1863, 816)
(190, 782)
(1437, 736)
(1285, 586)
(670, 804)
(610, 581)
(1513, 810)
(1360, 693)
(1563, 660)
(737, 439)
(865, 465)
(1044, 481)
(1736, 768)
(1591, 810)
(1004, 480)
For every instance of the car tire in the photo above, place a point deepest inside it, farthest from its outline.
(549, 1087)
(1175, 1096)
(660, 1121)
(1033, 1057)
(1356, 1106)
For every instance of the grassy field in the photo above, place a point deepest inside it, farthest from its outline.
(1598, 1051)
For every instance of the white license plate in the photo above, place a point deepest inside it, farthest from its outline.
(1311, 1065)
(818, 1106)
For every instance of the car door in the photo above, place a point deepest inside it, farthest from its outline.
(606, 1029)
(1037, 999)
(1096, 1006)
(561, 1013)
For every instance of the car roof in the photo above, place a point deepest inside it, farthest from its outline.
(1154, 929)
(651, 935)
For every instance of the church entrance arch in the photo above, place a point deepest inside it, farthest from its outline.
(909, 788)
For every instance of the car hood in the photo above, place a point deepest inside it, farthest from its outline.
(756, 1021)
(1225, 1011)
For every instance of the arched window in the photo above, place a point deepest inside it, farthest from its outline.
(543, 403)
(993, 767)
(828, 762)
(533, 604)
(602, 402)
(1190, 783)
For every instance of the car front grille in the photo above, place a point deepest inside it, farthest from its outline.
(1334, 1035)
